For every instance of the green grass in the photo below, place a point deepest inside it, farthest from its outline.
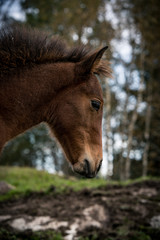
(27, 180)
(39, 235)
(51, 235)
(138, 180)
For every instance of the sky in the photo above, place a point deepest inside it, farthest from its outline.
(16, 11)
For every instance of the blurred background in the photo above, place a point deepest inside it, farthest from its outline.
(131, 120)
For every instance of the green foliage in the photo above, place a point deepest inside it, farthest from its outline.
(123, 230)
(6, 235)
(33, 149)
(61, 17)
(49, 235)
(28, 147)
(143, 18)
(149, 231)
(138, 235)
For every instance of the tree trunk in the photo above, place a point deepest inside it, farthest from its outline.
(147, 133)
(123, 134)
(108, 129)
(131, 128)
(121, 160)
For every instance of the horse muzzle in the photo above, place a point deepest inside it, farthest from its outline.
(85, 168)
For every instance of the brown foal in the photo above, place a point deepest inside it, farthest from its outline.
(41, 80)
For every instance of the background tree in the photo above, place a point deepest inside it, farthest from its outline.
(143, 19)
(62, 18)
(132, 105)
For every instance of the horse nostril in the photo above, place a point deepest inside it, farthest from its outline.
(87, 167)
(100, 164)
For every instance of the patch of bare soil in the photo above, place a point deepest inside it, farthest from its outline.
(112, 213)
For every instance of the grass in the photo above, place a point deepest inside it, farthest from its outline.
(51, 235)
(28, 179)
(39, 235)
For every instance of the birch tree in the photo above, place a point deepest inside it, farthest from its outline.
(123, 131)
(133, 121)
(147, 132)
(108, 128)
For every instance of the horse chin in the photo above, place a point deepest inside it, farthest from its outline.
(83, 174)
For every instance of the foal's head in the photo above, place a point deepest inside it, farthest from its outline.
(78, 122)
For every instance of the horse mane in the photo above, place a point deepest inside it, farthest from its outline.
(22, 47)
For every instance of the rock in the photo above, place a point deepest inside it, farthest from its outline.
(36, 223)
(155, 222)
(93, 216)
(5, 187)
(4, 218)
(95, 212)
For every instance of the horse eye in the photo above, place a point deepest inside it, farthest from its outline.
(95, 104)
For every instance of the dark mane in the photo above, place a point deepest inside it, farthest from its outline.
(21, 47)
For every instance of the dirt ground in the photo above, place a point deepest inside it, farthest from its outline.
(112, 212)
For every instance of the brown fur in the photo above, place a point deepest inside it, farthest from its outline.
(42, 80)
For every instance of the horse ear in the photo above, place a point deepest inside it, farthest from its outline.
(90, 63)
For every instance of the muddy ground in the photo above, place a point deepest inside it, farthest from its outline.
(113, 213)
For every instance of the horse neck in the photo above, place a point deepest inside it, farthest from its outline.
(30, 93)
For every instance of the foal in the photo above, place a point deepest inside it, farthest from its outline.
(41, 80)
